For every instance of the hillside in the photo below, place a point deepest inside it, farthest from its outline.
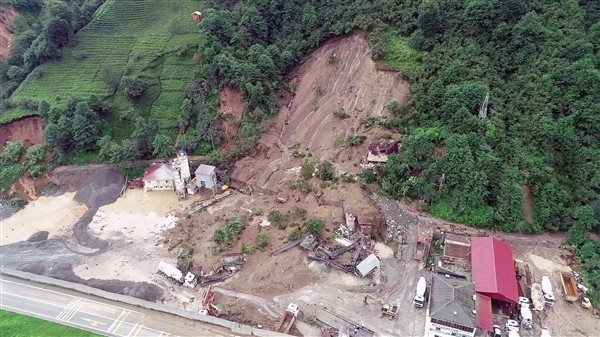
(125, 38)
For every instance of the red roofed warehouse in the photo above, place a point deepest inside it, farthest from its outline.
(493, 272)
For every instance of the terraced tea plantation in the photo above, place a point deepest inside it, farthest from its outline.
(142, 38)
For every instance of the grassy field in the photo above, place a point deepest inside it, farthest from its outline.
(16, 325)
(129, 38)
(400, 56)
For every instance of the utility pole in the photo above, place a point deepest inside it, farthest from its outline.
(484, 106)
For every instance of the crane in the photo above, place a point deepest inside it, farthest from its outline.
(386, 309)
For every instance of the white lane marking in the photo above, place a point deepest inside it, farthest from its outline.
(63, 294)
(50, 318)
(71, 309)
(116, 320)
(131, 331)
(56, 305)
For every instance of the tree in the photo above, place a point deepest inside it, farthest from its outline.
(430, 20)
(162, 145)
(185, 114)
(12, 152)
(143, 133)
(86, 128)
(129, 150)
(134, 87)
(326, 171)
(35, 154)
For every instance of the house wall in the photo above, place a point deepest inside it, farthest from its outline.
(159, 185)
(209, 180)
(440, 330)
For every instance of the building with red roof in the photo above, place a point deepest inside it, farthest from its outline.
(159, 177)
(493, 273)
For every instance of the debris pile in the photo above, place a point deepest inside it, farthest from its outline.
(102, 188)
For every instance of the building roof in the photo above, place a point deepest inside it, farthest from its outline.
(367, 265)
(493, 269)
(451, 300)
(160, 171)
(484, 312)
(205, 170)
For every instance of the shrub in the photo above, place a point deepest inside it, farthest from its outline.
(29, 104)
(248, 249)
(320, 90)
(276, 217)
(393, 107)
(303, 185)
(299, 213)
(308, 168)
(17, 202)
(184, 262)
(356, 139)
(36, 170)
(332, 58)
(295, 234)
(315, 226)
(341, 114)
(262, 241)
(326, 171)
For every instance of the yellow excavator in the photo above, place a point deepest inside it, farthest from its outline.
(386, 309)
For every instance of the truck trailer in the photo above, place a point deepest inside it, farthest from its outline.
(569, 287)
(549, 298)
(175, 274)
(419, 299)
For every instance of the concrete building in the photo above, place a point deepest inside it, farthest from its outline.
(159, 177)
(206, 176)
(451, 308)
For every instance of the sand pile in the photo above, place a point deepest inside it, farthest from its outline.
(102, 188)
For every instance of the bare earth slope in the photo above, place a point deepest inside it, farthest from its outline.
(7, 15)
(351, 83)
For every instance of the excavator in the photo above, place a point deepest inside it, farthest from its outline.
(386, 309)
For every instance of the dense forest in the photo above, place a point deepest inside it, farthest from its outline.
(465, 158)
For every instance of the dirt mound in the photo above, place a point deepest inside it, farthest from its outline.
(38, 236)
(233, 106)
(30, 130)
(102, 188)
(7, 15)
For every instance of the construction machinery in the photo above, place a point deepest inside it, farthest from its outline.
(422, 249)
(387, 309)
(547, 289)
(208, 308)
(585, 302)
(419, 299)
(285, 323)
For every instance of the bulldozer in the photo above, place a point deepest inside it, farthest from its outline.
(387, 309)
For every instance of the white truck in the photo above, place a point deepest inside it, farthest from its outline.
(419, 300)
(526, 316)
(175, 274)
(549, 298)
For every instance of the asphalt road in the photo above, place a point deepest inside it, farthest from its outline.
(94, 314)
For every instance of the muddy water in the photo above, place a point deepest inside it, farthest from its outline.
(53, 214)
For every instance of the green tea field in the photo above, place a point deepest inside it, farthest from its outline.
(151, 39)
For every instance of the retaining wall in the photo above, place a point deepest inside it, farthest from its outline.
(233, 326)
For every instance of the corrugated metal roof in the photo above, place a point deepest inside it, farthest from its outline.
(451, 300)
(367, 265)
(484, 312)
(493, 269)
(205, 170)
(159, 171)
